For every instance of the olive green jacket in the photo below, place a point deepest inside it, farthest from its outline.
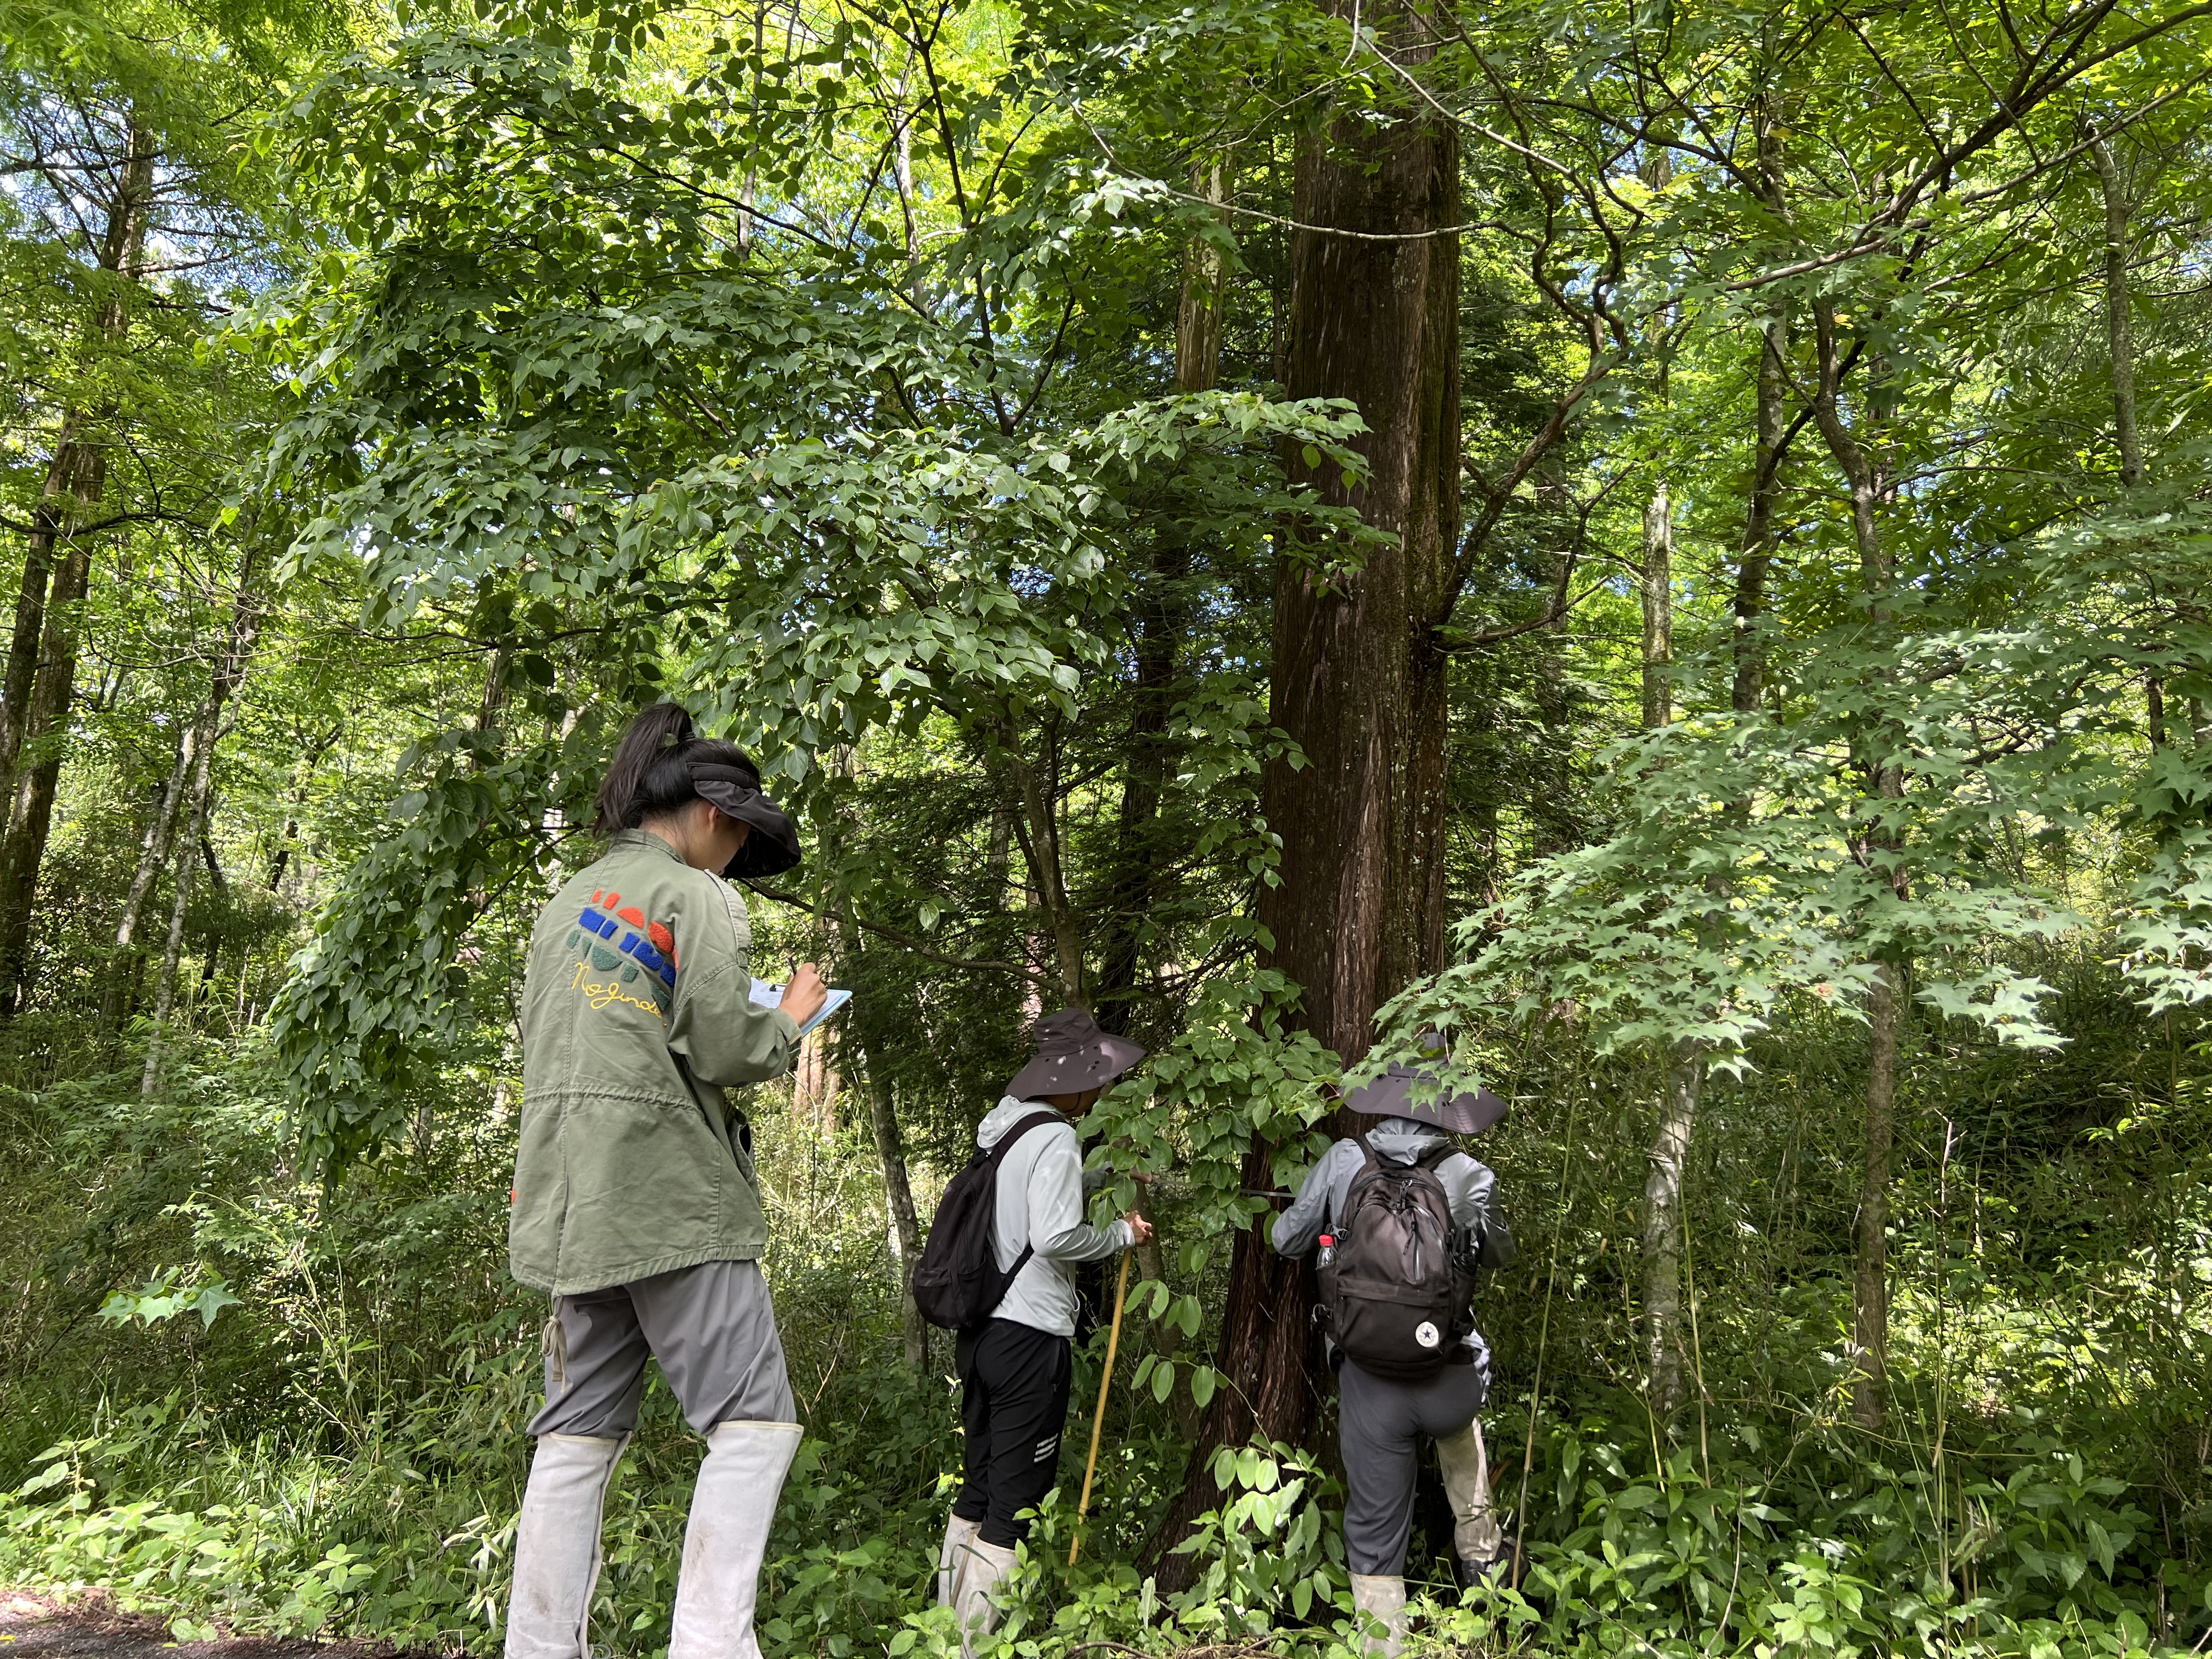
(637, 1013)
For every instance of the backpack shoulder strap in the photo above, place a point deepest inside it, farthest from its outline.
(1371, 1169)
(1433, 1159)
(1037, 1119)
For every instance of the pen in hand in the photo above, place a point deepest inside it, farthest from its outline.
(805, 993)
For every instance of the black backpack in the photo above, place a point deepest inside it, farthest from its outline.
(1396, 1296)
(957, 1283)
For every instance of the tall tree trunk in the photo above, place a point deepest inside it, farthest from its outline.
(32, 741)
(49, 521)
(1870, 1271)
(1038, 830)
(1877, 576)
(1684, 1070)
(1162, 617)
(1664, 1222)
(32, 807)
(1760, 534)
(2119, 325)
(871, 1026)
(904, 1234)
(224, 678)
(228, 671)
(211, 958)
(1770, 431)
(748, 194)
(1359, 680)
(153, 854)
(1198, 309)
(1658, 607)
(188, 864)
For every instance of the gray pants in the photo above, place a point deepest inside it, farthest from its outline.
(711, 1326)
(1377, 1422)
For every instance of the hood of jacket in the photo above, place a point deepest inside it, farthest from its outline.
(1010, 1110)
(1402, 1140)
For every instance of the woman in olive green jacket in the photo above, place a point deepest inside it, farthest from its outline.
(634, 1201)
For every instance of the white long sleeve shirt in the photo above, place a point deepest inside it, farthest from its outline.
(1039, 1203)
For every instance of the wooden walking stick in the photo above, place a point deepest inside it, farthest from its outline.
(1098, 1418)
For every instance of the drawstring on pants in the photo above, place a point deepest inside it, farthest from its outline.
(553, 1345)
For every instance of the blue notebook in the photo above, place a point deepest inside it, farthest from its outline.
(770, 995)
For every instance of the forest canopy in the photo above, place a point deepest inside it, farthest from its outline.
(1659, 550)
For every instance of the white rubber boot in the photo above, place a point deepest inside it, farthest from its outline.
(556, 1547)
(987, 1565)
(1478, 1541)
(725, 1537)
(952, 1557)
(1384, 1598)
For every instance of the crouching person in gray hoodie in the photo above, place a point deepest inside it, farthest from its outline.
(1015, 1367)
(1426, 1373)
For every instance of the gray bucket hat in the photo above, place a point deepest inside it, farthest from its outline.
(1394, 1095)
(773, 846)
(1072, 1055)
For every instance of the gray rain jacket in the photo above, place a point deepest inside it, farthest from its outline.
(1470, 1187)
(1039, 1203)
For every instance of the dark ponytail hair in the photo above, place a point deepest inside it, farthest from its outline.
(651, 774)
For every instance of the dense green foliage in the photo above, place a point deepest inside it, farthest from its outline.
(1828, 681)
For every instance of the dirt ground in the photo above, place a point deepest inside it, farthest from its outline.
(91, 1627)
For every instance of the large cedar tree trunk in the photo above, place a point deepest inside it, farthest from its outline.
(1359, 683)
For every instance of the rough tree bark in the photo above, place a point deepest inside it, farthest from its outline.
(1359, 679)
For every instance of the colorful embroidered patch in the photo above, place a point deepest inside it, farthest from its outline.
(608, 932)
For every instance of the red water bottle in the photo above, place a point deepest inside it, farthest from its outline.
(1328, 1248)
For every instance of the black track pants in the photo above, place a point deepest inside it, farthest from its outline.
(1013, 1398)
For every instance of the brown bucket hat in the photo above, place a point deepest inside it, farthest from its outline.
(1394, 1095)
(1072, 1054)
(773, 846)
